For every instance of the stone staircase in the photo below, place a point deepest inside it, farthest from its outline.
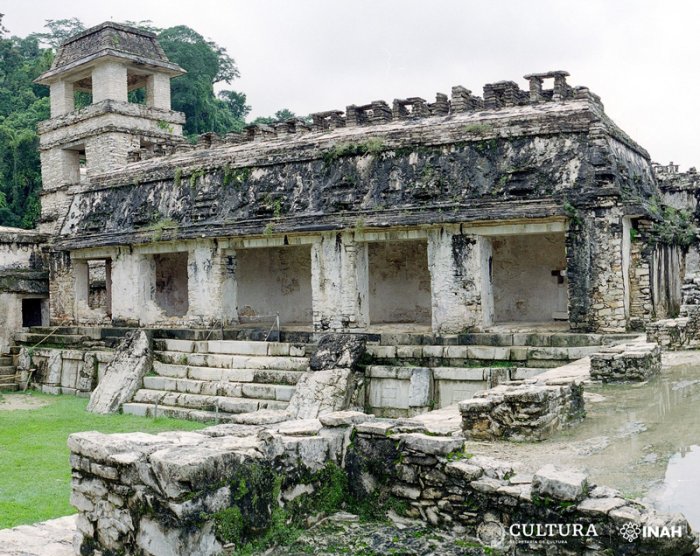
(216, 379)
(8, 374)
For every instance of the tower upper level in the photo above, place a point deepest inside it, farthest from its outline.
(108, 61)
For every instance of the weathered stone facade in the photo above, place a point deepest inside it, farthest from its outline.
(454, 179)
(23, 283)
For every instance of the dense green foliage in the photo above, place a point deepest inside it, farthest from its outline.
(34, 471)
(23, 104)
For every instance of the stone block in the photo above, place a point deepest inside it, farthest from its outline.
(561, 484)
(420, 390)
(464, 470)
(301, 427)
(434, 445)
(344, 418)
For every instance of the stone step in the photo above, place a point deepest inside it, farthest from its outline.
(45, 330)
(476, 374)
(500, 339)
(7, 370)
(6, 361)
(13, 387)
(226, 404)
(264, 376)
(151, 410)
(231, 347)
(28, 338)
(279, 363)
(280, 392)
(480, 353)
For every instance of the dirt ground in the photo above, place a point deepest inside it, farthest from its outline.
(12, 401)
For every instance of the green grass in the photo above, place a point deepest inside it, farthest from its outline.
(34, 467)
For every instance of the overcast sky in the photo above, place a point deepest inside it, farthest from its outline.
(641, 56)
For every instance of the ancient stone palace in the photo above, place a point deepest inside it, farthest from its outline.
(298, 280)
(457, 214)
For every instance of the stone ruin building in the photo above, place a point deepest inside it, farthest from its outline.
(450, 236)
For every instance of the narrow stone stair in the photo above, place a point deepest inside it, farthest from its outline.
(216, 379)
(8, 374)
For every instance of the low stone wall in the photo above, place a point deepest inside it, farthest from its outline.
(199, 493)
(522, 410)
(64, 371)
(682, 332)
(626, 363)
(676, 334)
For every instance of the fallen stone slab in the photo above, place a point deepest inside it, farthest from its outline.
(124, 374)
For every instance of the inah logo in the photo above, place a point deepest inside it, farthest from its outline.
(630, 531)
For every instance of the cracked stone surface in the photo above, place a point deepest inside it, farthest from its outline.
(48, 538)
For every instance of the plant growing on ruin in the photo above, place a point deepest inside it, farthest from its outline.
(235, 176)
(675, 227)
(482, 147)
(157, 228)
(478, 128)
(165, 126)
(572, 212)
(195, 175)
(177, 177)
(371, 146)
(268, 230)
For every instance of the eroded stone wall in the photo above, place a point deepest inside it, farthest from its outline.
(191, 492)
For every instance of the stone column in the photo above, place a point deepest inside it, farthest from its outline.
(133, 289)
(594, 269)
(455, 264)
(61, 288)
(62, 96)
(81, 289)
(109, 82)
(339, 282)
(158, 91)
(211, 285)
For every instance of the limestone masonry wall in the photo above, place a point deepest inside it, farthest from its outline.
(193, 492)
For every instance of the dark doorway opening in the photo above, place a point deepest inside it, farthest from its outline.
(31, 312)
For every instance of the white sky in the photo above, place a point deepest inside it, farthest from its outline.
(640, 56)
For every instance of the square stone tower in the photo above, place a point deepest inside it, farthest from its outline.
(107, 61)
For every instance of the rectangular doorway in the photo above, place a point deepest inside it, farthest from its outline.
(172, 295)
(399, 282)
(528, 278)
(274, 280)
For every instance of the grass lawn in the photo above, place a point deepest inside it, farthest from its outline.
(34, 469)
